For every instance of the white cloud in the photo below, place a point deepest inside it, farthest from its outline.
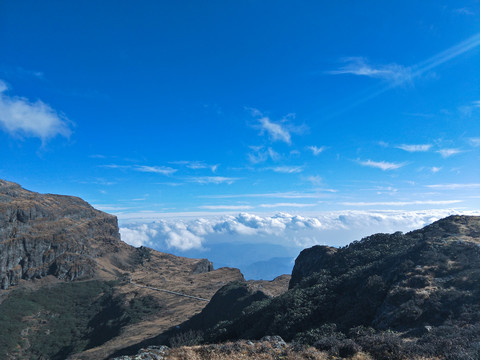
(453, 186)
(21, 117)
(225, 207)
(360, 66)
(382, 164)
(464, 11)
(296, 205)
(474, 141)
(415, 148)
(164, 170)
(435, 169)
(279, 195)
(138, 236)
(213, 180)
(315, 180)
(449, 152)
(261, 154)
(115, 166)
(403, 203)
(107, 207)
(336, 228)
(195, 165)
(287, 169)
(276, 131)
(316, 150)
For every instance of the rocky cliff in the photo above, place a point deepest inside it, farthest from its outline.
(120, 295)
(50, 235)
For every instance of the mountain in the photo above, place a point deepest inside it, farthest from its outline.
(393, 296)
(70, 288)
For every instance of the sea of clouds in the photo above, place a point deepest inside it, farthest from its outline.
(262, 237)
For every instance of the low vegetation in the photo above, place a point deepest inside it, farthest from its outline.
(239, 350)
(393, 296)
(56, 321)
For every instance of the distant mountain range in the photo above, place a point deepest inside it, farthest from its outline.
(72, 289)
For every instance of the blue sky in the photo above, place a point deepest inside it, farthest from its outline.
(196, 110)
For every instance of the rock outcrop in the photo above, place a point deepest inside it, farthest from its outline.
(311, 260)
(203, 266)
(50, 235)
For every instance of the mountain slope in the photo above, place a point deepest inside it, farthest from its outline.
(395, 296)
(64, 271)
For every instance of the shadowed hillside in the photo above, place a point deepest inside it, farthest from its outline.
(394, 296)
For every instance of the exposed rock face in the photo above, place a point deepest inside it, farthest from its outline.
(50, 235)
(311, 260)
(203, 266)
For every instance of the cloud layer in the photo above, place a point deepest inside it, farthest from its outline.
(288, 230)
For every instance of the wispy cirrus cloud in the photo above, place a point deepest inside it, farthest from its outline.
(293, 205)
(21, 73)
(278, 195)
(213, 180)
(383, 165)
(287, 169)
(276, 131)
(259, 154)
(464, 11)
(402, 203)
(397, 75)
(474, 141)
(225, 207)
(315, 180)
(362, 67)
(195, 165)
(115, 166)
(110, 207)
(414, 148)
(21, 117)
(466, 186)
(316, 150)
(470, 108)
(163, 170)
(449, 152)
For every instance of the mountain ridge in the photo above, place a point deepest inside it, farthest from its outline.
(57, 245)
(387, 296)
(392, 296)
